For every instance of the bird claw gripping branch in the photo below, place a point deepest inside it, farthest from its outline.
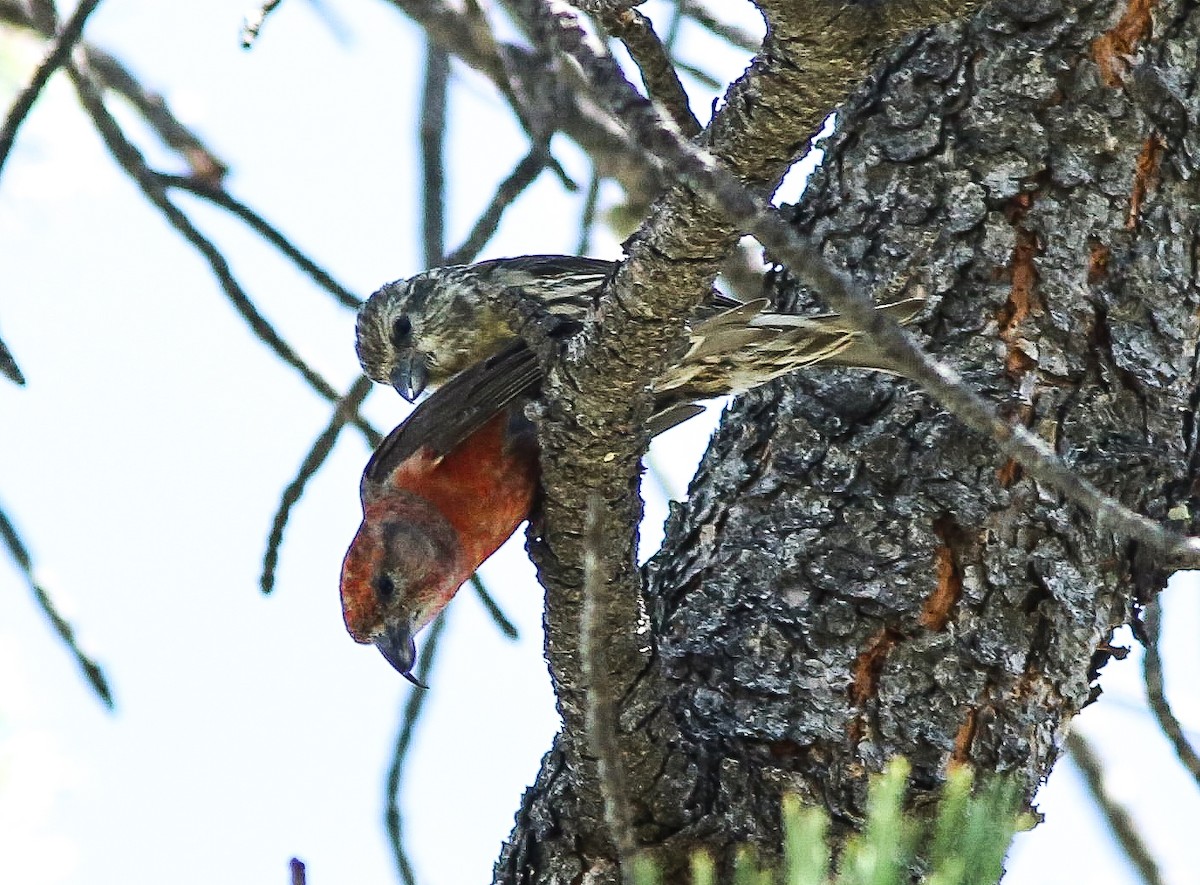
(452, 483)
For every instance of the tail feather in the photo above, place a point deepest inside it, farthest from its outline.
(743, 347)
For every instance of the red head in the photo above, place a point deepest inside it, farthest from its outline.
(403, 566)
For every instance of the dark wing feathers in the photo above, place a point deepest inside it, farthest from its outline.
(457, 409)
(552, 265)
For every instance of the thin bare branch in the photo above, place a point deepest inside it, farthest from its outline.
(659, 140)
(705, 79)
(1117, 817)
(298, 872)
(538, 98)
(333, 21)
(507, 627)
(433, 141)
(55, 58)
(673, 29)
(658, 72)
(131, 160)
(253, 22)
(1156, 692)
(729, 33)
(587, 219)
(409, 719)
(45, 13)
(15, 14)
(112, 74)
(506, 194)
(152, 107)
(345, 409)
(220, 197)
(8, 365)
(24, 562)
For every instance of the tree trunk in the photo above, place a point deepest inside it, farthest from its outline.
(855, 575)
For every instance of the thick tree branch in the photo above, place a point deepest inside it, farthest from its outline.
(753, 215)
(8, 365)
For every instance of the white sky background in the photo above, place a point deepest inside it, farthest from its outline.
(145, 459)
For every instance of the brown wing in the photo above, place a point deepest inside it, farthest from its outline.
(566, 285)
(540, 266)
(456, 410)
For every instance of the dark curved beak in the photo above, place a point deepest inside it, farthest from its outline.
(411, 374)
(398, 649)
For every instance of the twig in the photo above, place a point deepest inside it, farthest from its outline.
(587, 219)
(299, 874)
(660, 480)
(253, 22)
(730, 34)
(469, 36)
(1118, 819)
(45, 13)
(672, 36)
(648, 133)
(24, 562)
(1152, 675)
(507, 627)
(346, 407)
(8, 365)
(131, 160)
(600, 715)
(220, 197)
(412, 713)
(659, 76)
(433, 140)
(704, 77)
(507, 192)
(60, 50)
(338, 29)
(204, 164)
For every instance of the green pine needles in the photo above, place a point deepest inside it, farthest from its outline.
(964, 845)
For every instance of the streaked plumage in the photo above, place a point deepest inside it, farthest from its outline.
(421, 331)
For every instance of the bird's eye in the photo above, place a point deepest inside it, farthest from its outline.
(401, 329)
(384, 587)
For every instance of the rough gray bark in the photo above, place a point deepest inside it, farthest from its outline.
(855, 575)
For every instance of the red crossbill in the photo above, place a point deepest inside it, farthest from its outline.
(441, 493)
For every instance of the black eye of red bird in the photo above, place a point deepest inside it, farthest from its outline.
(401, 329)
(384, 587)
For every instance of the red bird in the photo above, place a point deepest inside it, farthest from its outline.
(440, 495)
